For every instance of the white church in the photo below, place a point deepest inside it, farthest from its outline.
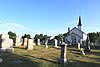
(76, 34)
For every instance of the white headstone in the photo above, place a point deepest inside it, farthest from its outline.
(55, 43)
(5, 36)
(25, 41)
(17, 42)
(46, 42)
(78, 45)
(38, 42)
(6, 44)
(30, 44)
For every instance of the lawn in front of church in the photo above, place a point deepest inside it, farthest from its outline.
(42, 57)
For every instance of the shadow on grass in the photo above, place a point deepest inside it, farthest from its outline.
(73, 49)
(31, 61)
(22, 47)
(9, 61)
(95, 53)
(81, 64)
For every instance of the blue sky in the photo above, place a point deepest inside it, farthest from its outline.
(51, 17)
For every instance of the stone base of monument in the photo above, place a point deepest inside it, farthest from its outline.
(63, 60)
(9, 50)
(55, 46)
(46, 46)
(25, 44)
(38, 44)
(29, 47)
(18, 44)
(34, 44)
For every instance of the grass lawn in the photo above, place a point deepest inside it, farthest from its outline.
(42, 57)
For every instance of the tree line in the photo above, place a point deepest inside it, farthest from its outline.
(94, 36)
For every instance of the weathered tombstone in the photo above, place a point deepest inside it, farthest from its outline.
(63, 58)
(33, 42)
(25, 41)
(87, 48)
(30, 44)
(17, 42)
(79, 45)
(6, 44)
(82, 51)
(5, 36)
(38, 41)
(55, 43)
(82, 43)
(46, 42)
(21, 41)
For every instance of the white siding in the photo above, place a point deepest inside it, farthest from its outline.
(69, 38)
(78, 34)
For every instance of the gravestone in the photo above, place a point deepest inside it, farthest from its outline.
(63, 58)
(79, 45)
(33, 42)
(55, 43)
(38, 41)
(82, 51)
(46, 42)
(17, 42)
(87, 48)
(6, 44)
(25, 41)
(21, 41)
(30, 44)
(5, 36)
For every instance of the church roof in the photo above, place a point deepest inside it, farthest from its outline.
(78, 30)
(76, 35)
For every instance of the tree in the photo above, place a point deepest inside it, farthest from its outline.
(94, 37)
(41, 37)
(27, 36)
(59, 37)
(45, 37)
(36, 36)
(11, 35)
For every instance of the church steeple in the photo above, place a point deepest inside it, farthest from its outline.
(79, 23)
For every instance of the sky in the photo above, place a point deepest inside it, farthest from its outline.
(48, 17)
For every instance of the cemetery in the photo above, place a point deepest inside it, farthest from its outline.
(73, 50)
(28, 53)
(49, 33)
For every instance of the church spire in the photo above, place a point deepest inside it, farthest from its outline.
(79, 23)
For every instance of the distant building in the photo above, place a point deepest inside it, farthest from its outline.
(76, 34)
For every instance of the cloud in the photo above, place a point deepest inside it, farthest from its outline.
(21, 30)
(14, 24)
(17, 28)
